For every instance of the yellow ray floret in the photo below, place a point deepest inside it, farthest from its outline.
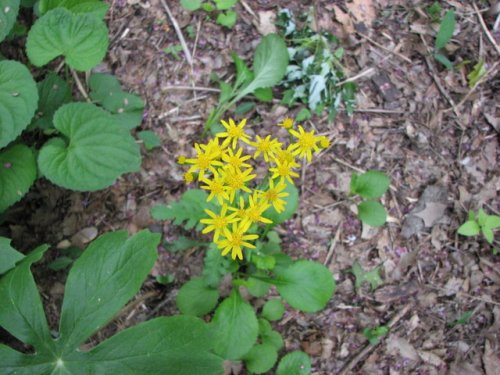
(235, 159)
(216, 187)
(204, 160)
(284, 170)
(218, 223)
(265, 146)
(236, 239)
(256, 207)
(274, 195)
(236, 179)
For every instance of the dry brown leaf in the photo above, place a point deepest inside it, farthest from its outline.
(266, 22)
(363, 10)
(344, 19)
(433, 212)
(84, 236)
(397, 344)
(491, 360)
(431, 358)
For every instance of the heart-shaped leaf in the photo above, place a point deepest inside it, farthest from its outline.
(54, 92)
(17, 174)
(372, 213)
(18, 100)
(81, 38)
(8, 15)
(93, 152)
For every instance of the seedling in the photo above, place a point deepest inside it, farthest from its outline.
(373, 335)
(480, 223)
(222, 9)
(373, 276)
(446, 29)
(462, 320)
(173, 50)
(370, 185)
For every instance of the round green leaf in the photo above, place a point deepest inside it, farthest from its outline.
(272, 338)
(17, 174)
(294, 363)
(235, 327)
(469, 228)
(195, 298)
(372, 213)
(18, 100)
(8, 15)
(273, 309)
(261, 358)
(81, 38)
(305, 285)
(191, 4)
(93, 152)
(371, 184)
(292, 202)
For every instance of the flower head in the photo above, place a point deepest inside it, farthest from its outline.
(284, 170)
(305, 144)
(233, 133)
(287, 123)
(218, 223)
(265, 146)
(235, 239)
(274, 195)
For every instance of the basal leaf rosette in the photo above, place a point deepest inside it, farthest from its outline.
(82, 38)
(227, 165)
(18, 100)
(92, 152)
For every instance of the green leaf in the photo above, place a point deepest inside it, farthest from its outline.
(103, 85)
(53, 92)
(225, 4)
(304, 114)
(8, 15)
(446, 29)
(375, 334)
(305, 285)
(372, 213)
(373, 276)
(476, 74)
(208, 7)
(316, 88)
(8, 255)
(462, 320)
(469, 228)
(226, 91)
(18, 100)
(243, 74)
(92, 152)
(272, 338)
(81, 38)
(492, 222)
(187, 211)
(260, 358)
(96, 7)
(183, 243)
(227, 19)
(17, 174)
(163, 346)
(150, 139)
(488, 234)
(191, 4)
(235, 327)
(481, 217)
(273, 309)
(294, 363)
(215, 266)
(108, 273)
(22, 313)
(371, 184)
(264, 94)
(269, 66)
(256, 287)
(244, 107)
(292, 203)
(196, 298)
(443, 60)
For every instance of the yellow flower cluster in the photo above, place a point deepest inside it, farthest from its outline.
(223, 167)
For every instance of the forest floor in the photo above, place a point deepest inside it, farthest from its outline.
(418, 122)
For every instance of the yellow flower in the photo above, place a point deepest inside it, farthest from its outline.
(236, 180)
(256, 208)
(235, 239)
(287, 123)
(181, 160)
(203, 161)
(324, 142)
(265, 146)
(218, 223)
(188, 177)
(284, 170)
(233, 133)
(236, 160)
(241, 211)
(284, 155)
(213, 148)
(274, 193)
(216, 187)
(306, 143)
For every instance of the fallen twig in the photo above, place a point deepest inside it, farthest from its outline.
(80, 85)
(332, 245)
(179, 34)
(190, 88)
(485, 29)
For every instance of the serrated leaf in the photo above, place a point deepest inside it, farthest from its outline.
(53, 92)
(196, 298)
(469, 228)
(163, 346)
(260, 358)
(187, 211)
(225, 4)
(18, 100)
(22, 313)
(235, 327)
(305, 285)
(227, 19)
(191, 4)
(373, 276)
(8, 255)
(103, 85)
(17, 174)
(81, 38)
(108, 273)
(93, 151)
(292, 203)
(269, 66)
(446, 29)
(372, 213)
(294, 363)
(371, 184)
(273, 309)
(8, 15)
(96, 7)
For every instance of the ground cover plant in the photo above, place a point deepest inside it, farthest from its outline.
(379, 210)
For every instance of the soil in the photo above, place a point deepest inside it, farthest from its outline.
(422, 124)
